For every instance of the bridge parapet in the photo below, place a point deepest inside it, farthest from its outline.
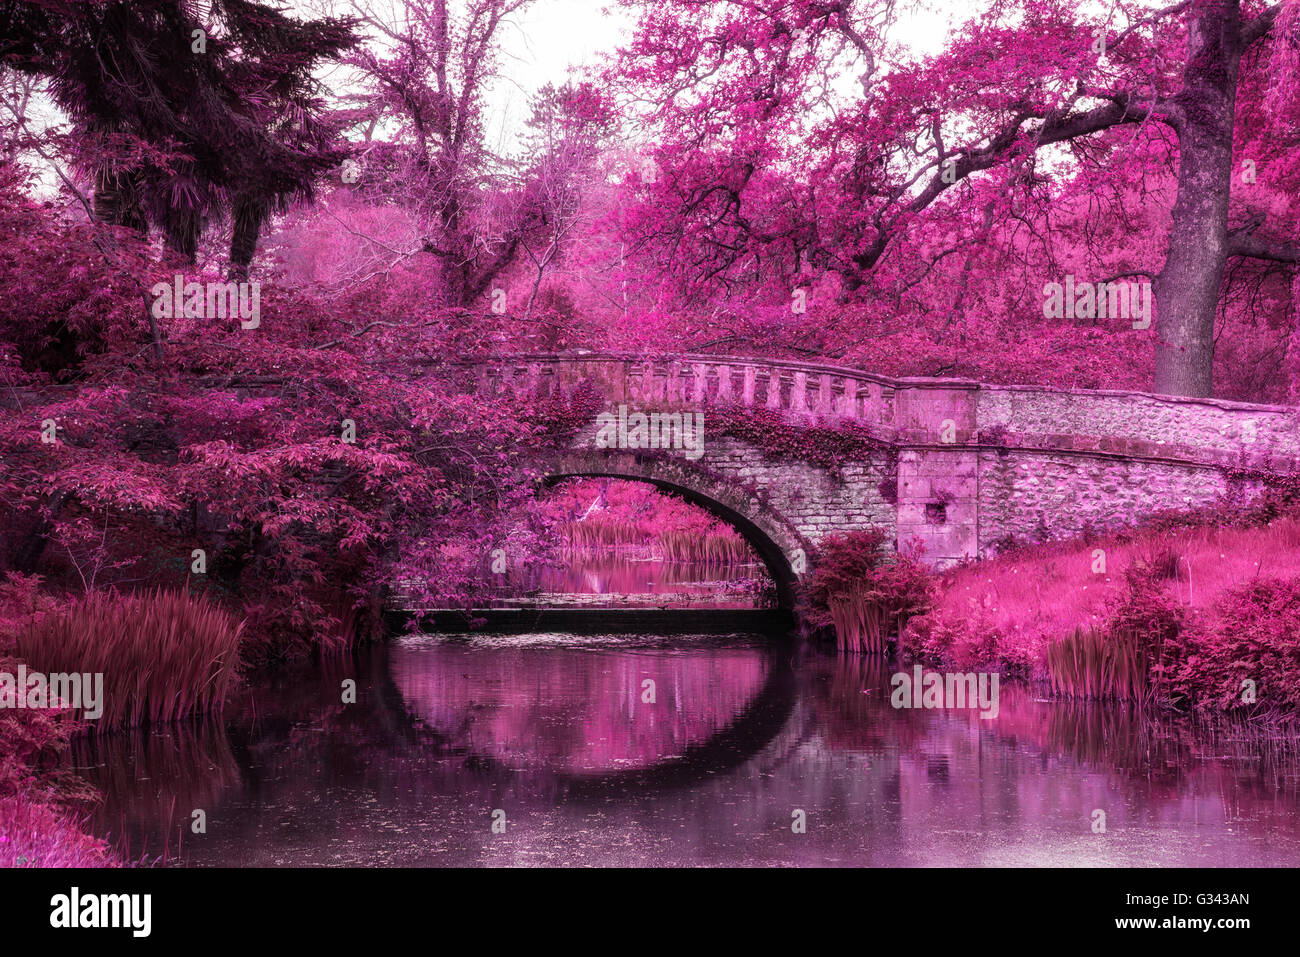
(795, 388)
(927, 412)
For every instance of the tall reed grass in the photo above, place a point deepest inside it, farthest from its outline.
(603, 534)
(1090, 664)
(861, 624)
(710, 548)
(163, 654)
(695, 546)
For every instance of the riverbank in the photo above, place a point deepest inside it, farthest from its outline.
(90, 666)
(42, 809)
(1208, 615)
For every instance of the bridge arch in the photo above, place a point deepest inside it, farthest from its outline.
(776, 541)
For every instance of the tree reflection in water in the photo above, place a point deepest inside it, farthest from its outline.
(554, 730)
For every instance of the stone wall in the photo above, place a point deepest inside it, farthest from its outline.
(1207, 431)
(815, 502)
(1032, 496)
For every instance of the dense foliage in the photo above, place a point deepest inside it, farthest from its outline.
(118, 466)
(1243, 657)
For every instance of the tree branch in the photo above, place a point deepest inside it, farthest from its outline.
(1259, 27)
(1247, 245)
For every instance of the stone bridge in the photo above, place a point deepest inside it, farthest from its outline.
(968, 465)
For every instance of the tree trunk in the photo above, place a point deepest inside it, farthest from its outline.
(247, 217)
(181, 230)
(1187, 288)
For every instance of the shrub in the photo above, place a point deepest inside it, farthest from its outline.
(862, 596)
(1145, 615)
(1162, 562)
(36, 829)
(970, 642)
(1250, 635)
(21, 601)
(163, 654)
(31, 741)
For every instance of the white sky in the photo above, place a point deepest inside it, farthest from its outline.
(550, 40)
(553, 37)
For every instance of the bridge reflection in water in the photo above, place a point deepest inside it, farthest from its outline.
(552, 731)
(582, 710)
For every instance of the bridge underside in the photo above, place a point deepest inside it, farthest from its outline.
(775, 540)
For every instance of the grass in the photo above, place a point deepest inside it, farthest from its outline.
(163, 655)
(1043, 596)
(710, 548)
(600, 534)
(860, 624)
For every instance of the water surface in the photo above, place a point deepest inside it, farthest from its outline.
(559, 734)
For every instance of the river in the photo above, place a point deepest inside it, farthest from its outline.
(744, 750)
